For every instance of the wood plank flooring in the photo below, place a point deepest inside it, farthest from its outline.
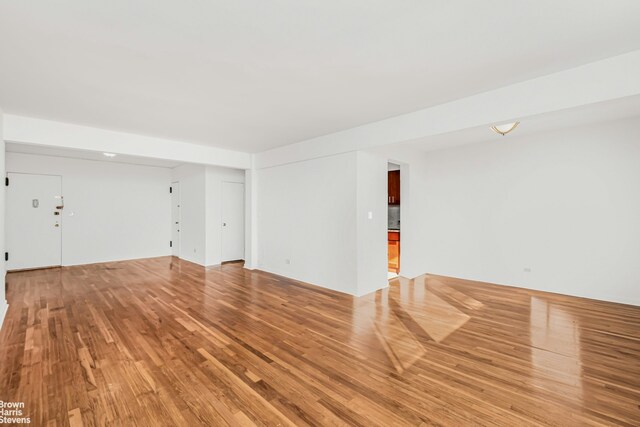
(165, 342)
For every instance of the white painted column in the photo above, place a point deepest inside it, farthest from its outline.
(251, 219)
(371, 222)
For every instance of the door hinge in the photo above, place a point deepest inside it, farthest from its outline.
(6, 256)
(170, 189)
(6, 182)
(170, 243)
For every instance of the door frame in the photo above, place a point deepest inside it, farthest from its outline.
(60, 219)
(244, 201)
(176, 248)
(405, 205)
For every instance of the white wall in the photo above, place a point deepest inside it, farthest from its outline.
(372, 199)
(563, 204)
(120, 211)
(200, 211)
(316, 214)
(307, 214)
(193, 229)
(215, 176)
(250, 219)
(3, 303)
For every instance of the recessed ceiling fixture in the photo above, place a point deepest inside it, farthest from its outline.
(109, 154)
(505, 128)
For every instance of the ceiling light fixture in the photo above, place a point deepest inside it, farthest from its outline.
(505, 128)
(109, 154)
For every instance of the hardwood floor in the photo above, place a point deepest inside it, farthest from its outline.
(165, 342)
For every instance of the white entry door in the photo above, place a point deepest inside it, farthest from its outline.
(232, 221)
(175, 218)
(34, 221)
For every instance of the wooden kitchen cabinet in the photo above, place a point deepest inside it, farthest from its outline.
(394, 251)
(393, 182)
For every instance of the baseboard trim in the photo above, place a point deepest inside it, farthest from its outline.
(235, 261)
(528, 289)
(18, 270)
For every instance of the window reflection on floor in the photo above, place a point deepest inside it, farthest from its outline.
(411, 313)
(555, 349)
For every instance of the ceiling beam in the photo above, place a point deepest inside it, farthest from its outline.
(26, 130)
(600, 81)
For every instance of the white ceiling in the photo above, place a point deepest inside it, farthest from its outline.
(255, 74)
(12, 147)
(592, 114)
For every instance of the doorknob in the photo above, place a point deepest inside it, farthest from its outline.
(57, 225)
(224, 224)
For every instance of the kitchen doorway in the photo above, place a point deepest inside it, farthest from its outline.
(393, 220)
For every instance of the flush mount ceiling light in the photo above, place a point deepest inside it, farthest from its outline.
(109, 154)
(505, 128)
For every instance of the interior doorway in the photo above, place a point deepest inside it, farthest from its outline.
(34, 221)
(232, 221)
(175, 218)
(393, 219)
